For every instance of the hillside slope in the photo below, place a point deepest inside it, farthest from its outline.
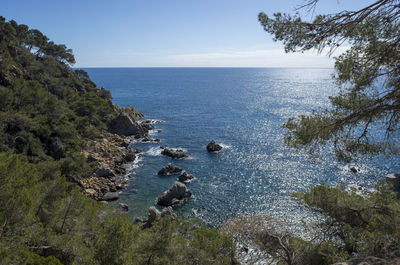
(49, 114)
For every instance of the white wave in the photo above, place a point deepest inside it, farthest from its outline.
(177, 148)
(154, 151)
(151, 121)
(225, 146)
(135, 164)
(153, 132)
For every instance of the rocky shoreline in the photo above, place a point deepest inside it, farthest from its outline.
(113, 152)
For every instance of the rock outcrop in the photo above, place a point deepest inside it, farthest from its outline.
(173, 153)
(110, 196)
(111, 151)
(170, 169)
(155, 215)
(184, 176)
(354, 170)
(130, 156)
(133, 113)
(394, 180)
(213, 147)
(104, 171)
(124, 125)
(122, 208)
(176, 194)
(167, 211)
(146, 125)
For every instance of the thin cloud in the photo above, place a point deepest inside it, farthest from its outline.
(255, 58)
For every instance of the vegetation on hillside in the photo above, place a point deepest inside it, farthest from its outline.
(47, 113)
(353, 223)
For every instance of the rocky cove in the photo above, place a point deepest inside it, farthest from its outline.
(113, 153)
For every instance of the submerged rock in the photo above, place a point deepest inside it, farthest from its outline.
(174, 153)
(213, 147)
(109, 196)
(122, 207)
(185, 176)
(176, 194)
(170, 169)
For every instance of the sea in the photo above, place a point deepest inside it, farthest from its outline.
(242, 109)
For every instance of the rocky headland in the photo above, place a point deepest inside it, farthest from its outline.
(112, 151)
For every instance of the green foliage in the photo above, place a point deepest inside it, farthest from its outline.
(367, 74)
(182, 242)
(115, 242)
(47, 112)
(368, 224)
(45, 107)
(352, 224)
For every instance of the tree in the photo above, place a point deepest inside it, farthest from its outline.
(367, 75)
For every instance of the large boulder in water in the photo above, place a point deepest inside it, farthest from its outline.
(174, 153)
(213, 147)
(176, 194)
(123, 124)
(110, 196)
(169, 170)
(185, 177)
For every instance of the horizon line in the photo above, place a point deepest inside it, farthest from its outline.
(249, 67)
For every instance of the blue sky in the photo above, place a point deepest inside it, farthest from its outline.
(162, 33)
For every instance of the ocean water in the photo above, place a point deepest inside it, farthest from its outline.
(243, 109)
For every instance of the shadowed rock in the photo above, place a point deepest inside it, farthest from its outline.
(125, 125)
(176, 194)
(109, 196)
(213, 147)
(104, 171)
(170, 169)
(185, 176)
(130, 156)
(174, 153)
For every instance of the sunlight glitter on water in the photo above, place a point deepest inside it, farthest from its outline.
(242, 109)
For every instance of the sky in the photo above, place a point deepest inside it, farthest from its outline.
(169, 33)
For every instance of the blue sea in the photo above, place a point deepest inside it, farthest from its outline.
(243, 109)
